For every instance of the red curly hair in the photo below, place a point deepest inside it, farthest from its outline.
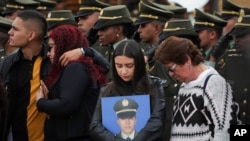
(68, 37)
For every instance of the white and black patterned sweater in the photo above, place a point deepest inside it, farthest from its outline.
(200, 116)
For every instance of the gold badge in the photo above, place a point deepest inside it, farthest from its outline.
(101, 12)
(125, 102)
(166, 25)
(49, 15)
(242, 13)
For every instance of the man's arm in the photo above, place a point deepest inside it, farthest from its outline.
(77, 53)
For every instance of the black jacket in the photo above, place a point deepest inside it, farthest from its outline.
(71, 104)
(10, 60)
(153, 129)
(5, 66)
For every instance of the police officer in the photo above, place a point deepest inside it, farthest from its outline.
(125, 110)
(45, 6)
(5, 49)
(235, 67)
(179, 12)
(230, 12)
(181, 28)
(13, 7)
(2, 4)
(88, 13)
(150, 22)
(61, 17)
(209, 28)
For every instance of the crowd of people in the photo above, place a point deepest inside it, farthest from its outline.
(56, 67)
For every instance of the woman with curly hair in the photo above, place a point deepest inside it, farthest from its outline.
(72, 90)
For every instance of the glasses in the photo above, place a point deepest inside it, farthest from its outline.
(172, 69)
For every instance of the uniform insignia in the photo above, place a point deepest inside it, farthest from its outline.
(49, 15)
(125, 102)
(242, 13)
(166, 25)
(101, 12)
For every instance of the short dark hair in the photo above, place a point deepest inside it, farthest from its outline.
(36, 16)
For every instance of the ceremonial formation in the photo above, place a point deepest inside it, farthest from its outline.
(58, 63)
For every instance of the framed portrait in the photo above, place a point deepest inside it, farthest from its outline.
(120, 107)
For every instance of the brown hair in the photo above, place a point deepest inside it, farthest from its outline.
(177, 50)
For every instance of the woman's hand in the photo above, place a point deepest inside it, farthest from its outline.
(43, 92)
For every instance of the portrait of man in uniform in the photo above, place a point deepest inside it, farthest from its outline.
(125, 110)
(125, 116)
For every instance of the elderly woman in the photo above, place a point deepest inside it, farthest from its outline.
(204, 108)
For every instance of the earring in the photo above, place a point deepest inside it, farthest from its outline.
(117, 35)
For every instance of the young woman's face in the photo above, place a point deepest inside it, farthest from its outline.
(51, 52)
(107, 35)
(125, 67)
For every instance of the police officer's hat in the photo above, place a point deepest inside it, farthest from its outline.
(242, 26)
(5, 25)
(125, 108)
(229, 9)
(2, 7)
(178, 11)
(178, 28)
(205, 20)
(112, 15)
(150, 13)
(88, 7)
(46, 5)
(60, 17)
(13, 5)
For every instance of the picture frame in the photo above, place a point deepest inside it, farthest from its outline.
(109, 116)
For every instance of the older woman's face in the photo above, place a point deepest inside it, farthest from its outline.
(107, 35)
(182, 73)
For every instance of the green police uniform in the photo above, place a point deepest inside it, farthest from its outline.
(204, 21)
(112, 15)
(2, 4)
(178, 11)
(13, 5)
(235, 67)
(60, 17)
(181, 28)
(149, 13)
(46, 5)
(229, 10)
(88, 7)
(5, 26)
